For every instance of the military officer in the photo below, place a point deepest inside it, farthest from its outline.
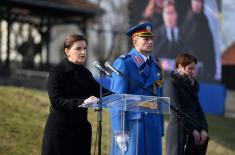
(142, 131)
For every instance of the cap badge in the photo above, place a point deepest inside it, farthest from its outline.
(148, 28)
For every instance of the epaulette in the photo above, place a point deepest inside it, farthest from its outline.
(158, 61)
(123, 56)
(160, 65)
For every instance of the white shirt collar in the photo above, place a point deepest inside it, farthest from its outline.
(144, 57)
(176, 32)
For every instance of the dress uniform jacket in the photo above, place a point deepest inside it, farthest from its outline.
(145, 136)
(184, 96)
(67, 130)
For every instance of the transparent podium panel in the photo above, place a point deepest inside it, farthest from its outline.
(137, 103)
(131, 123)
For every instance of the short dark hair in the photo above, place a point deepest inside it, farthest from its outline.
(168, 2)
(71, 39)
(184, 59)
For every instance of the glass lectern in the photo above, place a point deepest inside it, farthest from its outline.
(125, 103)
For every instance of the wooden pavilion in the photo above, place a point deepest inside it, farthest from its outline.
(43, 15)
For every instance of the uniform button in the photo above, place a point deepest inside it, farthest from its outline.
(158, 74)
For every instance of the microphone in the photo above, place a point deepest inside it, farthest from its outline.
(97, 65)
(108, 65)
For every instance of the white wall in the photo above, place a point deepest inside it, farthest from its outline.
(228, 21)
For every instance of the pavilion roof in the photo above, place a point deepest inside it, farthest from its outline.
(71, 7)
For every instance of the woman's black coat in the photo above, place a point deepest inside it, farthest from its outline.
(184, 96)
(67, 130)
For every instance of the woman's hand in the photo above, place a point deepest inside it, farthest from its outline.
(91, 99)
(203, 136)
(196, 136)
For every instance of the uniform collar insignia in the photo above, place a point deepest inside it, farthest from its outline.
(138, 59)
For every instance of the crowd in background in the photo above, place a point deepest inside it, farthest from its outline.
(180, 26)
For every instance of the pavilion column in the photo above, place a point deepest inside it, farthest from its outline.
(9, 22)
(0, 42)
(41, 31)
(83, 27)
(48, 40)
(45, 31)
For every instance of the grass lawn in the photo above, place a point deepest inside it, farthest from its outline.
(23, 113)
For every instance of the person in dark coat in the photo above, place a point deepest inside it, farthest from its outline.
(182, 88)
(198, 37)
(70, 83)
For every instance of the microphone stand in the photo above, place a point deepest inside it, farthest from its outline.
(181, 113)
(102, 73)
(99, 113)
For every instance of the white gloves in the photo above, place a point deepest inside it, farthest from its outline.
(122, 140)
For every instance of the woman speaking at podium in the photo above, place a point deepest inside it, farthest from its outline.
(70, 83)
